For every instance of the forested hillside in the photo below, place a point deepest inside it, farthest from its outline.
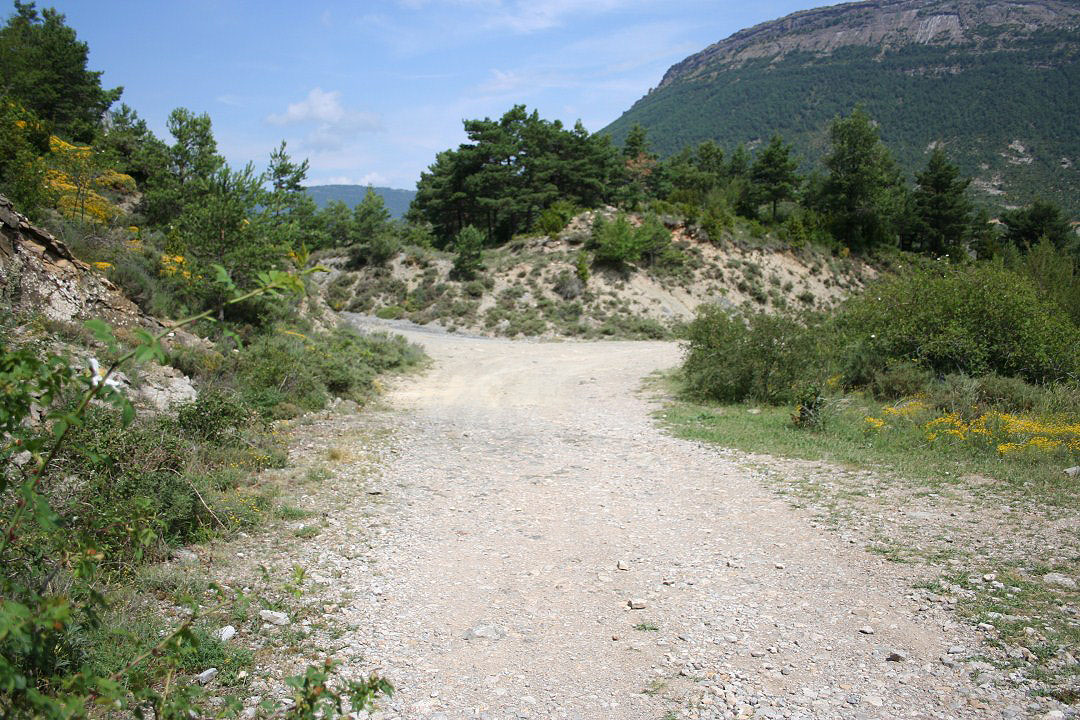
(993, 83)
(396, 200)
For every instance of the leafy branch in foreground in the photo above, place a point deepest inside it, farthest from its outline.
(52, 576)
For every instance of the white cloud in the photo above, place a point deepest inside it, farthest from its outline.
(373, 178)
(333, 123)
(322, 107)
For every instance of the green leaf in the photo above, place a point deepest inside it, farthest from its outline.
(101, 332)
(127, 411)
(221, 275)
(234, 337)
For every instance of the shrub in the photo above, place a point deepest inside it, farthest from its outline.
(468, 258)
(899, 380)
(617, 242)
(581, 267)
(652, 239)
(973, 320)
(809, 411)
(612, 242)
(971, 396)
(390, 312)
(286, 367)
(568, 285)
(552, 220)
(376, 251)
(195, 361)
(213, 416)
(736, 356)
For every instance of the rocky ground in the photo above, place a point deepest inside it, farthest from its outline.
(513, 537)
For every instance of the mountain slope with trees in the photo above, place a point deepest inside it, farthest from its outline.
(994, 83)
(396, 200)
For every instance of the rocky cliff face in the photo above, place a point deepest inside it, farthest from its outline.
(38, 274)
(885, 24)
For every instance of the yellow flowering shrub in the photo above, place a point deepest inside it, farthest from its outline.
(77, 179)
(1005, 433)
(175, 266)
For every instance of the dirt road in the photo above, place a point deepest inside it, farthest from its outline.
(542, 550)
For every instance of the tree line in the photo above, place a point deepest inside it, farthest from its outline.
(514, 169)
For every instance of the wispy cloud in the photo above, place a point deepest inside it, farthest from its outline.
(332, 122)
(529, 16)
(326, 108)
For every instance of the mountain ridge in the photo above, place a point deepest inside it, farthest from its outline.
(397, 200)
(900, 22)
(981, 78)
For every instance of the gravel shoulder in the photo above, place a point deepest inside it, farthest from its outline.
(512, 536)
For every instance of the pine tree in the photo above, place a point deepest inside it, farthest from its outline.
(862, 195)
(43, 67)
(1025, 227)
(774, 173)
(942, 209)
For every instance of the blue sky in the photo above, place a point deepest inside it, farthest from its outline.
(369, 91)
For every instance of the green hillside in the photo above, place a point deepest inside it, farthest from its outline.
(1005, 106)
(397, 200)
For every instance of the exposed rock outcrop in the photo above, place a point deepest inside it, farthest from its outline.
(881, 24)
(39, 274)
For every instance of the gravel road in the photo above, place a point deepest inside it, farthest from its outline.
(541, 550)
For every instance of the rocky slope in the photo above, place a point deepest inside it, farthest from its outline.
(39, 277)
(980, 77)
(532, 286)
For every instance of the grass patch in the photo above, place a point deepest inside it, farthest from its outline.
(993, 560)
(846, 439)
(291, 512)
(307, 532)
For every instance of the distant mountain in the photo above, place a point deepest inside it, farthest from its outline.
(996, 82)
(397, 200)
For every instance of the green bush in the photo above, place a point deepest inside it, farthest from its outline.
(390, 312)
(652, 239)
(304, 371)
(972, 396)
(131, 477)
(552, 220)
(194, 361)
(468, 258)
(612, 241)
(737, 356)
(214, 416)
(900, 380)
(376, 251)
(947, 319)
(617, 242)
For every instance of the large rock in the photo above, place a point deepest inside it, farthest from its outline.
(39, 274)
